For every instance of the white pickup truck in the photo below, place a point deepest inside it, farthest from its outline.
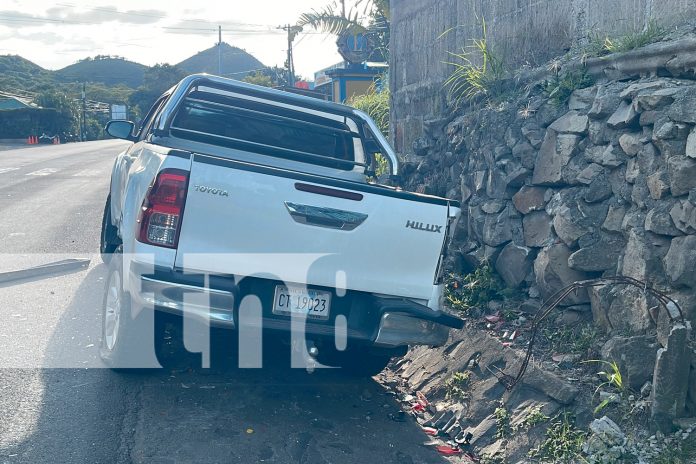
(235, 193)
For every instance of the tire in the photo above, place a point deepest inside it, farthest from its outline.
(169, 349)
(128, 341)
(109, 240)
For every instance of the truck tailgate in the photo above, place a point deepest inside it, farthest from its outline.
(245, 219)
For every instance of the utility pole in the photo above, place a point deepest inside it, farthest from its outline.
(291, 65)
(220, 50)
(292, 33)
(83, 126)
(343, 8)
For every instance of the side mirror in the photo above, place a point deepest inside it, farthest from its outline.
(120, 129)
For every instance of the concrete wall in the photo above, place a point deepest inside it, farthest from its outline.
(522, 31)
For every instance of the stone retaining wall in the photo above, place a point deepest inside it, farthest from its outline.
(602, 185)
(553, 194)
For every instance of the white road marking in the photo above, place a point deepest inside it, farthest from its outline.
(3, 170)
(43, 172)
(89, 173)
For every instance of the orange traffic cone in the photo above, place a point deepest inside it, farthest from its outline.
(35, 140)
(29, 141)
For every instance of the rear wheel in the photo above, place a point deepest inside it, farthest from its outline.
(128, 340)
(170, 349)
(109, 234)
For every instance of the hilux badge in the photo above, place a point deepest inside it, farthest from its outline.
(424, 227)
(211, 190)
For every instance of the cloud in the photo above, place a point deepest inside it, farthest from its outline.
(48, 38)
(63, 14)
(103, 14)
(199, 26)
(10, 17)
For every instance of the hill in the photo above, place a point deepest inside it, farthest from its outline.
(15, 65)
(107, 70)
(17, 72)
(236, 63)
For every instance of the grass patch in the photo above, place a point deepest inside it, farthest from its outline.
(457, 386)
(612, 378)
(498, 458)
(576, 340)
(477, 70)
(475, 289)
(502, 422)
(561, 86)
(601, 45)
(563, 443)
(533, 418)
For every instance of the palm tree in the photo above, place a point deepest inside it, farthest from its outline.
(333, 19)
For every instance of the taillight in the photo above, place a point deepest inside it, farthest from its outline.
(163, 208)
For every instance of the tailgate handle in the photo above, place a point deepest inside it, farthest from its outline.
(320, 216)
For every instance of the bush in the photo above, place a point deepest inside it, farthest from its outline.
(475, 289)
(563, 442)
(560, 87)
(376, 104)
(457, 386)
(478, 71)
(603, 45)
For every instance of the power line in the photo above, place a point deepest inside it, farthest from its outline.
(215, 29)
(158, 16)
(44, 20)
(6, 16)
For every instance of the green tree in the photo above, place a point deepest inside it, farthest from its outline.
(259, 78)
(331, 19)
(278, 75)
(94, 126)
(156, 81)
(63, 117)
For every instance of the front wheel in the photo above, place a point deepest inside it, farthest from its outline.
(109, 240)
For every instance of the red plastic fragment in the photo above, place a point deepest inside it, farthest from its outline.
(417, 407)
(448, 450)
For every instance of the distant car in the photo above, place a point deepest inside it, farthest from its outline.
(45, 139)
(233, 190)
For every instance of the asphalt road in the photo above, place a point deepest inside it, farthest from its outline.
(57, 405)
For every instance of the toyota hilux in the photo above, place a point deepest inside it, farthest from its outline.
(257, 210)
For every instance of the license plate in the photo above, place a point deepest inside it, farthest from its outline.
(315, 304)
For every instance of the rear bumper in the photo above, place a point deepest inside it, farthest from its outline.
(369, 320)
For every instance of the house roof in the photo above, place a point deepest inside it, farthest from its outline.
(12, 103)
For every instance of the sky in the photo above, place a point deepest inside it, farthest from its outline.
(56, 34)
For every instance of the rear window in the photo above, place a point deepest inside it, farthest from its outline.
(265, 129)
